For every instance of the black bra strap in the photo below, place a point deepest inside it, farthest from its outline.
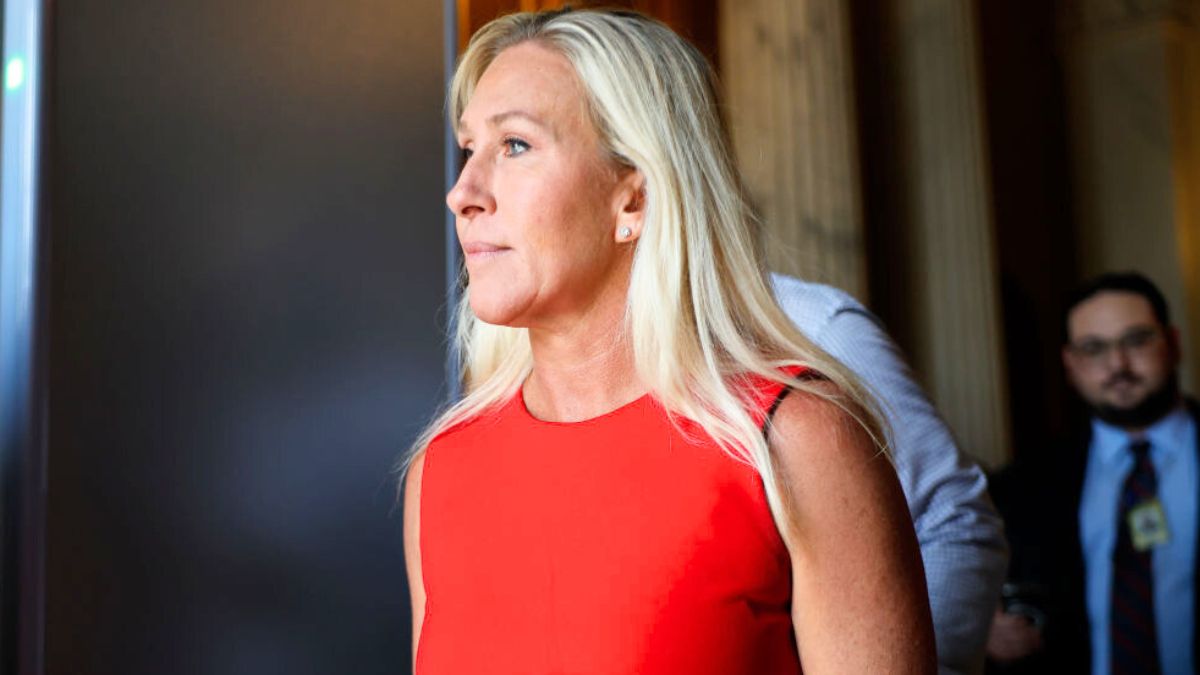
(774, 406)
(806, 375)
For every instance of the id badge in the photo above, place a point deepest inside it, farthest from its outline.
(1148, 525)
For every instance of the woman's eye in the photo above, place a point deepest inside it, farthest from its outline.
(515, 146)
(466, 154)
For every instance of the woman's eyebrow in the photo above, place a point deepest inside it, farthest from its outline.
(499, 118)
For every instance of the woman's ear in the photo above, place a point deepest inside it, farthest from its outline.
(631, 206)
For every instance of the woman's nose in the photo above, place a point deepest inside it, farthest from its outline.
(470, 195)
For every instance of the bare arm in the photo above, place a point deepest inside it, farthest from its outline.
(412, 549)
(859, 602)
(960, 534)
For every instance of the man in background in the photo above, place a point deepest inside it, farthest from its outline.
(1103, 527)
(961, 537)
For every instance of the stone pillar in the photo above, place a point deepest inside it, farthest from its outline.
(786, 66)
(951, 271)
(1183, 77)
(1133, 82)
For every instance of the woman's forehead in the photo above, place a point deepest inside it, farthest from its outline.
(526, 81)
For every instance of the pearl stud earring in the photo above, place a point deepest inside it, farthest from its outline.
(625, 233)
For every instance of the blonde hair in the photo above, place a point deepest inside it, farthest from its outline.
(700, 315)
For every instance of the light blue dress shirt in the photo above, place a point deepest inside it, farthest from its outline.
(961, 536)
(1173, 454)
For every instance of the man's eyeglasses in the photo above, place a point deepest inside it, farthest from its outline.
(1133, 341)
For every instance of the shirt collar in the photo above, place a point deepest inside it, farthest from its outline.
(1167, 437)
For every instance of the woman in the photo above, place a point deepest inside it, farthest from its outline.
(652, 470)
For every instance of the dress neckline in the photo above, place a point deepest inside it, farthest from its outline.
(622, 409)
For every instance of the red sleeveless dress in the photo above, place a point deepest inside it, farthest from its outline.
(609, 546)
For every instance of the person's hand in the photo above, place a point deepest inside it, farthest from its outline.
(1012, 637)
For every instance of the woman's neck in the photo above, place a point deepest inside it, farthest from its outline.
(582, 370)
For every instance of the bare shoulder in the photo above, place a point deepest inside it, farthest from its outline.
(412, 511)
(412, 545)
(811, 426)
(412, 477)
(859, 599)
(830, 470)
(829, 467)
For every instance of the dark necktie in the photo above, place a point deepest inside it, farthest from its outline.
(1132, 629)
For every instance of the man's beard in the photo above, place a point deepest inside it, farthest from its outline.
(1150, 410)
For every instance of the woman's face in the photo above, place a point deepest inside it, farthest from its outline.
(539, 205)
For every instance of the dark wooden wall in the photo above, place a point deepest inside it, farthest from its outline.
(1036, 230)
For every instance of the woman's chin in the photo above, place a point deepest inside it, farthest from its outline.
(498, 311)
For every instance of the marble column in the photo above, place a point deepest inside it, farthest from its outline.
(951, 271)
(1133, 83)
(787, 69)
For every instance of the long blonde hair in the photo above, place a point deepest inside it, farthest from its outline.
(700, 313)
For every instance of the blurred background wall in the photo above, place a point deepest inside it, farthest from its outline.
(959, 166)
(247, 227)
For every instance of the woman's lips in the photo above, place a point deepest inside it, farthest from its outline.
(480, 250)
